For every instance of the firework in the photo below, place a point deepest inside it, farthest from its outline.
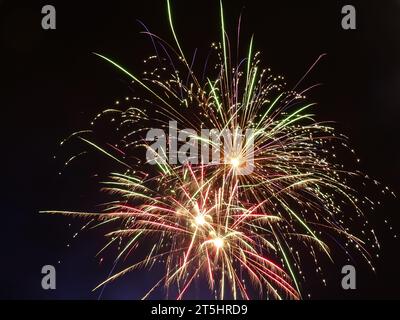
(240, 232)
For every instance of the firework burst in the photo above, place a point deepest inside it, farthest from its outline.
(209, 220)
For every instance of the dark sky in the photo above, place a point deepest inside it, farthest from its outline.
(51, 85)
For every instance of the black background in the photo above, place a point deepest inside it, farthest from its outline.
(51, 85)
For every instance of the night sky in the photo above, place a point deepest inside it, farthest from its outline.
(52, 85)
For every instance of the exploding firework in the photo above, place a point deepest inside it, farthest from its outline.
(242, 233)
